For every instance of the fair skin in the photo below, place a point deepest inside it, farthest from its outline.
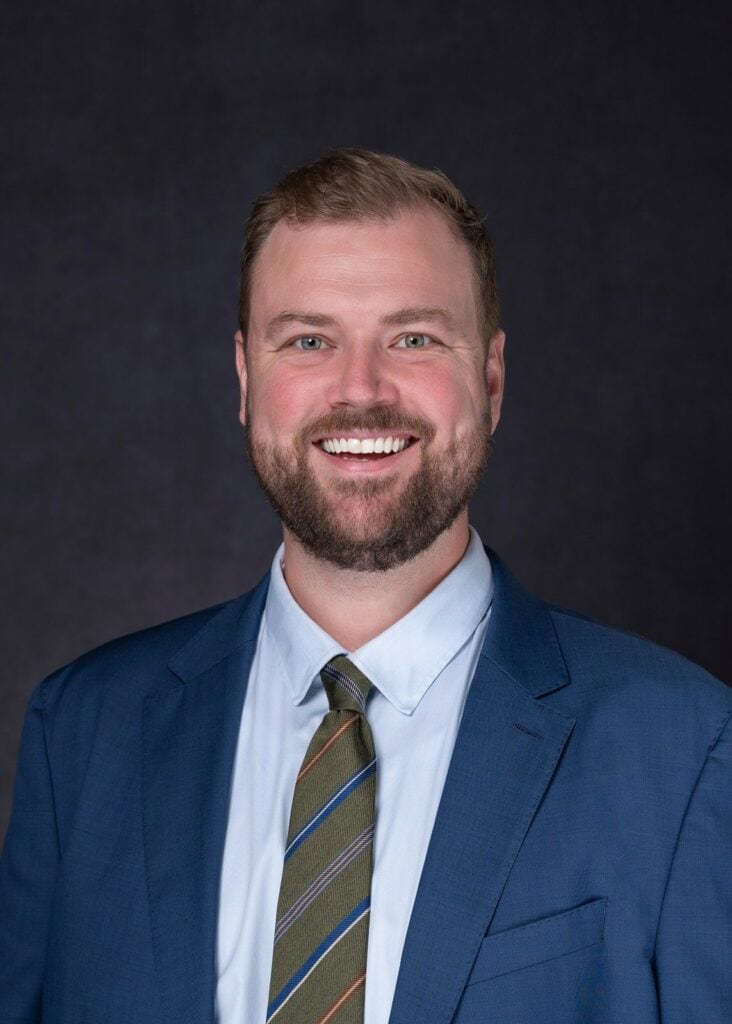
(358, 316)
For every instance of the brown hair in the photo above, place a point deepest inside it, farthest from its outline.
(356, 184)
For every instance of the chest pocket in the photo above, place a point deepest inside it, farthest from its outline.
(543, 940)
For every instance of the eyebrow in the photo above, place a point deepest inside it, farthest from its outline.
(408, 315)
(400, 318)
(290, 316)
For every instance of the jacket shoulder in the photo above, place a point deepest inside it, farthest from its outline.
(138, 662)
(623, 662)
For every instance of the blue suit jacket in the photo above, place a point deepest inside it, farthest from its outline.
(579, 871)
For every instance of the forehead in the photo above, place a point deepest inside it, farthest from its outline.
(411, 259)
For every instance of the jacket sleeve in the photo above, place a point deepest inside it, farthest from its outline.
(693, 954)
(28, 869)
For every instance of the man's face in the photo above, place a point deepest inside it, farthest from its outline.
(367, 332)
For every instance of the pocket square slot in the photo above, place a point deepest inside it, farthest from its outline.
(541, 940)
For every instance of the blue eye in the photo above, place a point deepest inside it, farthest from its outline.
(309, 343)
(414, 341)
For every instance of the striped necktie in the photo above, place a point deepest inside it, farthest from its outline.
(321, 935)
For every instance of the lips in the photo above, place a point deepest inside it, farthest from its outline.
(372, 448)
(378, 444)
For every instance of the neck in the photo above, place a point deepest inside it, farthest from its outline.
(353, 607)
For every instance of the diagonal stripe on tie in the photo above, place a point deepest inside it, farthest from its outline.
(324, 878)
(348, 685)
(321, 937)
(330, 770)
(309, 765)
(342, 999)
(317, 956)
(345, 790)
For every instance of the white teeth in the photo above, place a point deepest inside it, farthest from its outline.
(363, 446)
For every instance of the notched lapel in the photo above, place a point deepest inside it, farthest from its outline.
(189, 736)
(505, 755)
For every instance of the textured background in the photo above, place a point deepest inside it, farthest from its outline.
(594, 137)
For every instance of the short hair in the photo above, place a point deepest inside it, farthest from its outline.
(353, 184)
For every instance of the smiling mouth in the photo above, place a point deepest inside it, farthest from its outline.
(365, 449)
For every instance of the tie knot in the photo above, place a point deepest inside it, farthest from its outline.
(346, 687)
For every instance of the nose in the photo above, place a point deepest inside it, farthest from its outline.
(361, 379)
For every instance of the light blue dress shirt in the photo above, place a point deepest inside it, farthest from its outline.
(421, 668)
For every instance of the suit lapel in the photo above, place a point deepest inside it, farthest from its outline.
(507, 748)
(189, 738)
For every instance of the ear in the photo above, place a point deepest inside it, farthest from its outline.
(241, 372)
(495, 371)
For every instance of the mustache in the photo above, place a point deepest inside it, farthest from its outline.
(341, 421)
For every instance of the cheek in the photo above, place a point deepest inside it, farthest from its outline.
(449, 402)
(280, 401)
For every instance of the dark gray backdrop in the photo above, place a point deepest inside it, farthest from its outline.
(595, 138)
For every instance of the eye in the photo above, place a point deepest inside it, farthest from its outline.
(309, 343)
(414, 341)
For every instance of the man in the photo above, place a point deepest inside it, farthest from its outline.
(388, 784)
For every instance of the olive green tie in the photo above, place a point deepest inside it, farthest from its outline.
(321, 935)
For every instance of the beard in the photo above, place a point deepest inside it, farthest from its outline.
(372, 524)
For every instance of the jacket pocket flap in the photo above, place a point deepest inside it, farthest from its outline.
(541, 940)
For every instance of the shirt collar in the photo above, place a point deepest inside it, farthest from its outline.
(432, 633)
